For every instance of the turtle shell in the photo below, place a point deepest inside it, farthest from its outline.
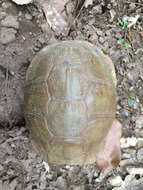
(70, 101)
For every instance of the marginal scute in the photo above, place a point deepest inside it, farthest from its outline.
(70, 101)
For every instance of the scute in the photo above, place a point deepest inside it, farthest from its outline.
(67, 119)
(70, 101)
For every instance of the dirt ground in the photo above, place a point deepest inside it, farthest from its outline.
(23, 32)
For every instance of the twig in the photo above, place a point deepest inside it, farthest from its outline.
(76, 17)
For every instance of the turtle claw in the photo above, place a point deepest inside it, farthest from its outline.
(110, 156)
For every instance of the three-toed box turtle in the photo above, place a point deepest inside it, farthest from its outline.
(70, 103)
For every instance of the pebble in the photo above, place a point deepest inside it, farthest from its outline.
(10, 21)
(132, 6)
(1, 167)
(134, 170)
(125, 112)
(2, 14)
(136, 185)
(140, 143)
(13, 184)
(130, 76)
(129, 178)
(133, 104)
(126, 156)
(61, 183)
(6, 5)
(46, 166)
(99, 32)
(101, 40)
(115, 181)
(45, 27)
(78, 187)
(128, 142)
(139, 122)
(28, 16)
(22, 2)
(142, 109)
(27, 165)
(140, 155)
(97, 9)
(116, 55)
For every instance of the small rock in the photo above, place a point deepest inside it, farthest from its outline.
(126, 156)
(27, 165)
(112, 14)
(128, 142)
(115, 181)
(46, 166)
(6, 5)
(1, 167)
(41, 40)
(96, 173)
(50, 176)
(134, 170)
(78, 187)
(68, 167)
(140, 155)
(13, 184)
(43, 181)
(116, 55)
(7, 35)
(130, 76)
(125, 112)
(10, 21)
(97, 9)
(2, 14)
(136, 185)
(127, 162)
(28, 16)
(45, 27)
(133, 104)
(101, 40)
(128, 179)
(99, 32)
(132, 6)
(22, 2)
(140, 142)
(61, 183)
(139, 122)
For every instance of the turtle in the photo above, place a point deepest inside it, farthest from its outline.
(70, 105)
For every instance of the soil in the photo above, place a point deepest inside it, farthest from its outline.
(23, 32)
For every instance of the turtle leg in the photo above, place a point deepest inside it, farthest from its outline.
(110, 156)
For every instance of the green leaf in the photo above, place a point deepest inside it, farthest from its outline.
(120, 41)
(127, 46)
(128, 100)
(132, 96)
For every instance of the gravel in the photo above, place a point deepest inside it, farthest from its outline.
(7, 35)
(10, 21)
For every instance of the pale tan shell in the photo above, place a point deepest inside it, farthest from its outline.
(70, 101)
